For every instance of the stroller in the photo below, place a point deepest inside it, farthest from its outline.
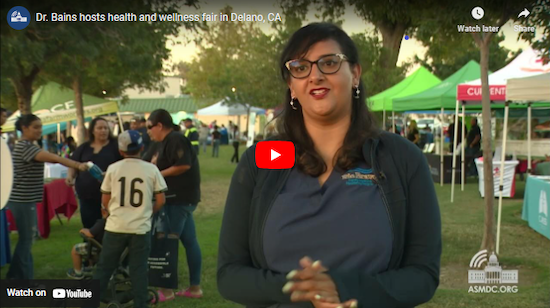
(120, 286)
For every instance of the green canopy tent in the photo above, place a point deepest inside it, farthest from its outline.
(54, 104)
(440, 97)
(417, 82)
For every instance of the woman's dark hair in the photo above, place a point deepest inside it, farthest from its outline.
(290, 122)
(25, 120)
(91, 136)
(163, 117)
(70, 143)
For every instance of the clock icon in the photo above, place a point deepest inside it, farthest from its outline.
(478, 12)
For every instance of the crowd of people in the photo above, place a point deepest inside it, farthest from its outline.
(168, 171)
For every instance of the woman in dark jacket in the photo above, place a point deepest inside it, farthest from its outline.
(101, 149)
(359, 203)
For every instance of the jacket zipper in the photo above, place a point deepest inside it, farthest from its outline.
(382, 176)
(267, 214)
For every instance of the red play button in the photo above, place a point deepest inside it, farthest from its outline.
(275, 154)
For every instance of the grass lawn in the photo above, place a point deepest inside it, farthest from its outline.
(462, 222)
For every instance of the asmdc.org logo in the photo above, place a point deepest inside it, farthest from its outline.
(490, 276)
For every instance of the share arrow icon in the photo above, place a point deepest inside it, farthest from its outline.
(524, 13)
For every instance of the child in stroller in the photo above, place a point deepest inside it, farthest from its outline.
(88, 251)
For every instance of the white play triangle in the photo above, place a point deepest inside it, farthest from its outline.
(274, 154)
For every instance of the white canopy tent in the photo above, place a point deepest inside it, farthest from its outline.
(527, 64)
(221, 108)
(529, 89)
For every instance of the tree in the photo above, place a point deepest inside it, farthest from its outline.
(24, 52)
(237, 61)
(392, 19)
(7, 96)
(443, 58)
(540, 19)
(370, 49)
(107, 56)
(497, 13)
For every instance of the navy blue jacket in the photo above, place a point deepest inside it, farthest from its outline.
(404, 178)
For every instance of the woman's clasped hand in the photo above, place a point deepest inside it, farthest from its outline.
(311, 283)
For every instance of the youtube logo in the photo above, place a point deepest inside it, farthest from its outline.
(58, 293)
(275, 154)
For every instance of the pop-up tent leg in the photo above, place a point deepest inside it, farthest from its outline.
(393, 122)
(463, 152)
(120, 123)
(528, 139)
(501, 180)
(441, 142)
(454, 154)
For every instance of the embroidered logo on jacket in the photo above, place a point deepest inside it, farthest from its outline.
(359, 176)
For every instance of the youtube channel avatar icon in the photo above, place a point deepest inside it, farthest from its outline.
(275, 154)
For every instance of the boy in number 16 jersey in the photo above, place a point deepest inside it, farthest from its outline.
(128, 189)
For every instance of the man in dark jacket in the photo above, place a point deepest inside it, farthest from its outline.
(451, 134)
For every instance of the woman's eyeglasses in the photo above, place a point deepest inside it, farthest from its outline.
(329, 64)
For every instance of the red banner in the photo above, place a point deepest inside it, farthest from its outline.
(473, 92)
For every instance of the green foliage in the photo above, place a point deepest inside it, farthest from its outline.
(392, 20)
(410, 14)
(443, 58)
(239, 57)
(7, 96)
(116, 59)
(448, 50)
(107, 56)
(374, 76)
(539, 18)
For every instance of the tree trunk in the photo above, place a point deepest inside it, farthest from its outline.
(488, 241)
(392, 35)
(248, 121)
(80, 128)
(23, 90)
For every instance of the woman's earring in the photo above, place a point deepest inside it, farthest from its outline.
(292, 103)
(357, 91)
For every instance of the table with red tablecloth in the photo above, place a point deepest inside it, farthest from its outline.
(58, 198)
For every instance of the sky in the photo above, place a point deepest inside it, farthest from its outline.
(352, 24)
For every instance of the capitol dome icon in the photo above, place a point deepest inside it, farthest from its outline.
(492, 273)
(16, 17)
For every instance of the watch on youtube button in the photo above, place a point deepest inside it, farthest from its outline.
(275, 154)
